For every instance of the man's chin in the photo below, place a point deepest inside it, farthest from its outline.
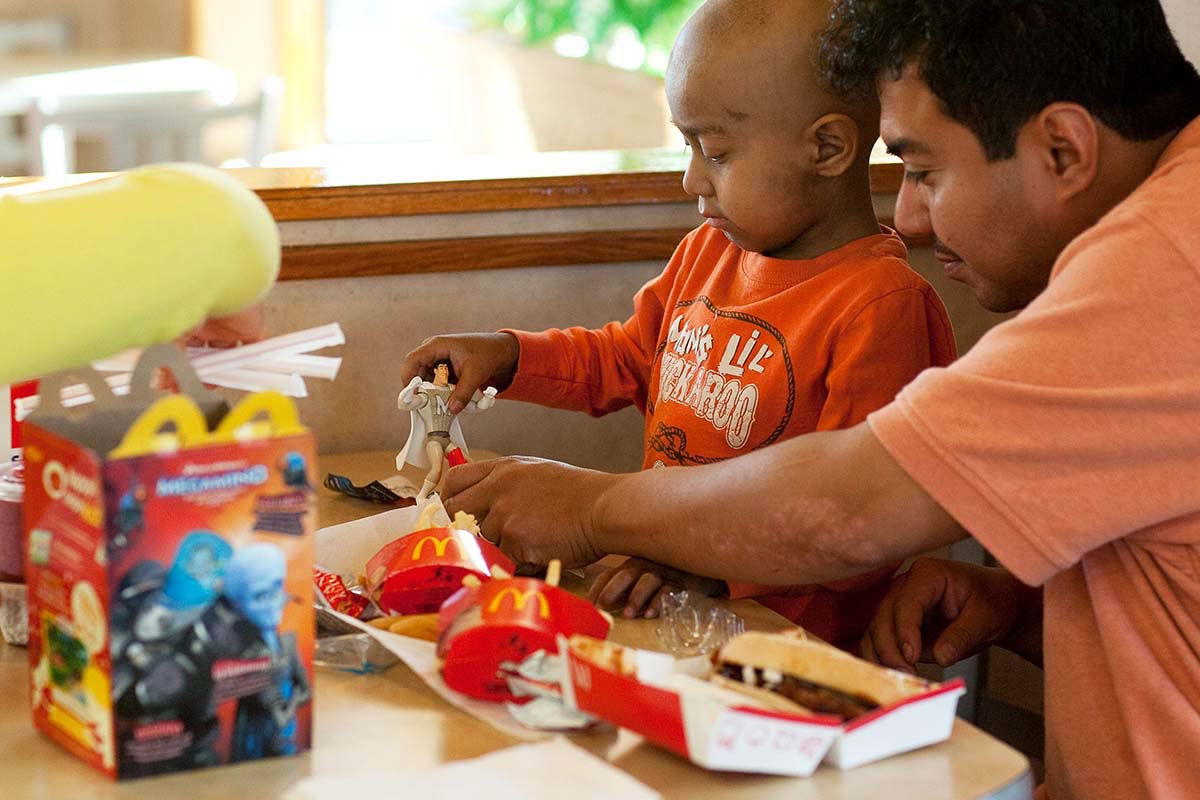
(994, 301)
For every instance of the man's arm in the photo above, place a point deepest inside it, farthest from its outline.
(815, 508)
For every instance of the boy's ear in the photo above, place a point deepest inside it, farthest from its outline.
(834, 140)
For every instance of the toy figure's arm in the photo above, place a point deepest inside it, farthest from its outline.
(410, 399)
(483, 403)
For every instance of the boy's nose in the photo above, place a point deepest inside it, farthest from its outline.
(911, 217)
(694, 182)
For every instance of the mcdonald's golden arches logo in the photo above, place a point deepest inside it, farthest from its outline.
(439, 546)
(520, 599)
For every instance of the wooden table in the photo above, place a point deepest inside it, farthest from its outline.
(393, 720)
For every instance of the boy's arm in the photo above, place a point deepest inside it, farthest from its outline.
(887, 344)
(597, 370)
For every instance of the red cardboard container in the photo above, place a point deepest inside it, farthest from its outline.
(721, 735)
(416, 573)
(506, 621)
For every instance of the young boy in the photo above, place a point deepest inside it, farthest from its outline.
(788, 311)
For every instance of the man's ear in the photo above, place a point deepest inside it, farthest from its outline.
(835, 144)
(1068, 144)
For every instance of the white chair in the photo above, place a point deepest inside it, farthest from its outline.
(144, 129)
(42, 35)
(35, 36)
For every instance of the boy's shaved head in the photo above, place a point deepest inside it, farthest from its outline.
(759, 58)
(779, 163)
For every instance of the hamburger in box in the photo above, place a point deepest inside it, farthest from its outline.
(502, 622)
(770, 703)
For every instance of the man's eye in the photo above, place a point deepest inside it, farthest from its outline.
(715, 158)
(916, 176)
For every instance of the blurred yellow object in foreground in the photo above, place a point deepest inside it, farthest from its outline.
(126, 260)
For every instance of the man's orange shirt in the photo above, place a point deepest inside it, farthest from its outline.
(1068, 442)
(728, 351)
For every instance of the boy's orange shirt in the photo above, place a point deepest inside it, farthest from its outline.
(728, 351)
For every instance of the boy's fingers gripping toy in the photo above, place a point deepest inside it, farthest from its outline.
(127, 260)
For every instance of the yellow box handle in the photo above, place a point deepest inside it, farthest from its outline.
(146, 434)
(243, 423)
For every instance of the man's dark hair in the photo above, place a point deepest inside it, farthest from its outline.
(994, 64)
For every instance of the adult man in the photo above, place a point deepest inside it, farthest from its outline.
(1043, 140)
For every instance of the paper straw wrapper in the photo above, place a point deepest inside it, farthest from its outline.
(279, 364)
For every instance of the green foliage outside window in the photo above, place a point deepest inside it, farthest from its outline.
(602, 23)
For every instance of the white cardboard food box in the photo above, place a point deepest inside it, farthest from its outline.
(706, 725)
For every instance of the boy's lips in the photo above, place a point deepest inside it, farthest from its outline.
(715, 222)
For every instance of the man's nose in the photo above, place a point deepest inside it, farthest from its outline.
(912, 213)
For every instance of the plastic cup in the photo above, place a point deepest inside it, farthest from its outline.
(12, 492)
(14, 613)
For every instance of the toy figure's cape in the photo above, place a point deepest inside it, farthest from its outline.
(414, 449)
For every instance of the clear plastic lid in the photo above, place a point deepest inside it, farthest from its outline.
(12, 482)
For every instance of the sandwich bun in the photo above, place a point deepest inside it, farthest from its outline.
(822, 664)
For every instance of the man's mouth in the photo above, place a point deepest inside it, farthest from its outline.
(715, 222)
(952, 262)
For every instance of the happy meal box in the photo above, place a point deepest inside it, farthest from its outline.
(169, 561)
(502, 622)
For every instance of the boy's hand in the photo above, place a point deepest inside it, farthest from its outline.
(478, 358)
(945, 611)
(640, 586)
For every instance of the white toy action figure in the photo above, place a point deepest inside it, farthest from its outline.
(434, 429)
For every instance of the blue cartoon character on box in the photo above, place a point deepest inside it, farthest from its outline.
(130, 520)
(295, 472)
(169, 628)
(266, 720)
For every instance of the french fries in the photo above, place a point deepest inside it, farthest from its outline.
(418, 626)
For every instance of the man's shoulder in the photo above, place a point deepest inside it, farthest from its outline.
(1164, 211)
(1157, 225)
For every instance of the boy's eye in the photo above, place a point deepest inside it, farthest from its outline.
(916, 176)
(715, 158)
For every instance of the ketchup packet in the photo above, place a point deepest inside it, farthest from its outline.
(343, 593)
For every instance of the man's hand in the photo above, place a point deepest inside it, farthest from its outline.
(478, 359)
(534, 510)
(640, 585)
(945, 611)
(243, 327)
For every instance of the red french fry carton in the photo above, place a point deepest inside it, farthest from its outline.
(502, 621)
(416, 573)
(721, 730)
(165, 576)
